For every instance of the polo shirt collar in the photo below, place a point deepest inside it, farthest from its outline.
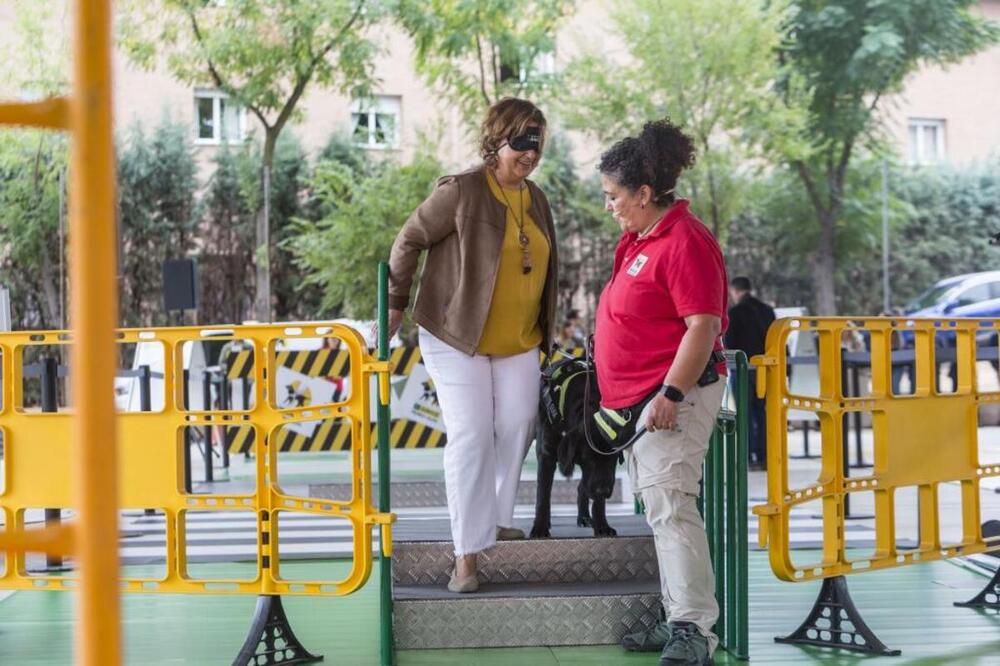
(674, 213)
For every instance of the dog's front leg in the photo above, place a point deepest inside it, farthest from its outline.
(600, 519)
(583, 504)
(543, 494)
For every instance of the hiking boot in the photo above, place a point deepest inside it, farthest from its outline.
(648, 640)
(685, 647)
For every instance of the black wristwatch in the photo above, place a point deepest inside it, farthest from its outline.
(672, 393)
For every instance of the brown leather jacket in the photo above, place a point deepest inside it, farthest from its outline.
(461, 225)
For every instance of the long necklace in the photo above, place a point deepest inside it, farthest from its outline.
(522, 237)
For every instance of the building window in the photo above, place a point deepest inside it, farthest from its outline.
(926, 140)
(217, 119)
(375, 121)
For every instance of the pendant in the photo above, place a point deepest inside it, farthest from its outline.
(522, 238)
(525, 262)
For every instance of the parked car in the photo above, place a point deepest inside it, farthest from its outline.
(972, 295)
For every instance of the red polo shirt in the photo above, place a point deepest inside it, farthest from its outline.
(675, 271)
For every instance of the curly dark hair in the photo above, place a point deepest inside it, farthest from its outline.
(655, 158)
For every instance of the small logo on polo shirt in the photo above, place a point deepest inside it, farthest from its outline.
(637, 265)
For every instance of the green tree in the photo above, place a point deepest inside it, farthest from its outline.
(478, 52)
(35, 58)
(225, 258)
(772, 240)
(264, 54)
(953, 212)
(339, 253)
(32, 165)
(33, 64)
(586, 234)
(704, 63)
(841, 59)
(158, 215)
(227, 233)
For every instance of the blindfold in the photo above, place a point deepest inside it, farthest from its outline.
(530, 140)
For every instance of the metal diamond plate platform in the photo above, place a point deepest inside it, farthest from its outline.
(595, 614)
(432, 493)
(532, 561)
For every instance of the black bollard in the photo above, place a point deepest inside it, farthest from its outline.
(145, 404)
(206, 396)
(187, 436)
(145, 389)
(50, 404)
(224, 403)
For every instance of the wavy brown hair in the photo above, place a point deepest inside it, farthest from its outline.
(508, 118)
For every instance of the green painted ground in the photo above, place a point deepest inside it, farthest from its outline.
(909, 609)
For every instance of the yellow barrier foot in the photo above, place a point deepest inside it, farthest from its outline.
(271, 641)
(825, 625)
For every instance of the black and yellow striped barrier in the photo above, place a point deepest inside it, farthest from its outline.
(330, 434)
(333, 434)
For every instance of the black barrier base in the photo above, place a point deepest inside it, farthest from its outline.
(271, 640)
(988, 598)
(825, 625)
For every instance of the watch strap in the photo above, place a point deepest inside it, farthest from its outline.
(672, 393)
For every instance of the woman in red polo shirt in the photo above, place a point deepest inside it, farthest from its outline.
(659, 324)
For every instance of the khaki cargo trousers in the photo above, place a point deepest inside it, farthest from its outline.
(665, 469)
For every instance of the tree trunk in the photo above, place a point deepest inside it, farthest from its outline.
(262, 256)
(713, 197)
(50, 301)
(824, 268)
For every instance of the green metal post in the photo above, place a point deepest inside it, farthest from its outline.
(715, 499)
(732, 573)
(382, 420)
(743, 389)
(708, 497)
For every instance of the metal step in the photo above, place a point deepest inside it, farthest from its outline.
(524, 614)
(432, 493)
(532, 593)
(532, 561)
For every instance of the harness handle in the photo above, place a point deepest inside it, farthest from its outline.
(587, 417)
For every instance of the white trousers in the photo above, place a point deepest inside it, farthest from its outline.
(665, 467)
(489, 405)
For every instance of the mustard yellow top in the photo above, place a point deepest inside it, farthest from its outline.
(512, 323)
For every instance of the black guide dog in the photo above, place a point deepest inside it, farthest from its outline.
(560, 441)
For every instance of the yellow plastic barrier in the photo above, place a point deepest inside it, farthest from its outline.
(150, 465)
(921, 440)
(86, 114)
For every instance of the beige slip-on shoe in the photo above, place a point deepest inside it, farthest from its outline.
(509, 534)
(462, 584)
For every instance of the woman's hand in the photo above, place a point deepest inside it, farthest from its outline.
(395, 321)
(662, 414)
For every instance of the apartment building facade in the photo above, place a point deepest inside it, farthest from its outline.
(945, 115)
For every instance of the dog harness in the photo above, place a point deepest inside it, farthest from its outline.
(556, 378)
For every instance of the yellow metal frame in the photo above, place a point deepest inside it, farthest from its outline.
(920, 440)
(86, 114)
(151, 473)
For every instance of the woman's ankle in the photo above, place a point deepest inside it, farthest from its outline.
(465, 565)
